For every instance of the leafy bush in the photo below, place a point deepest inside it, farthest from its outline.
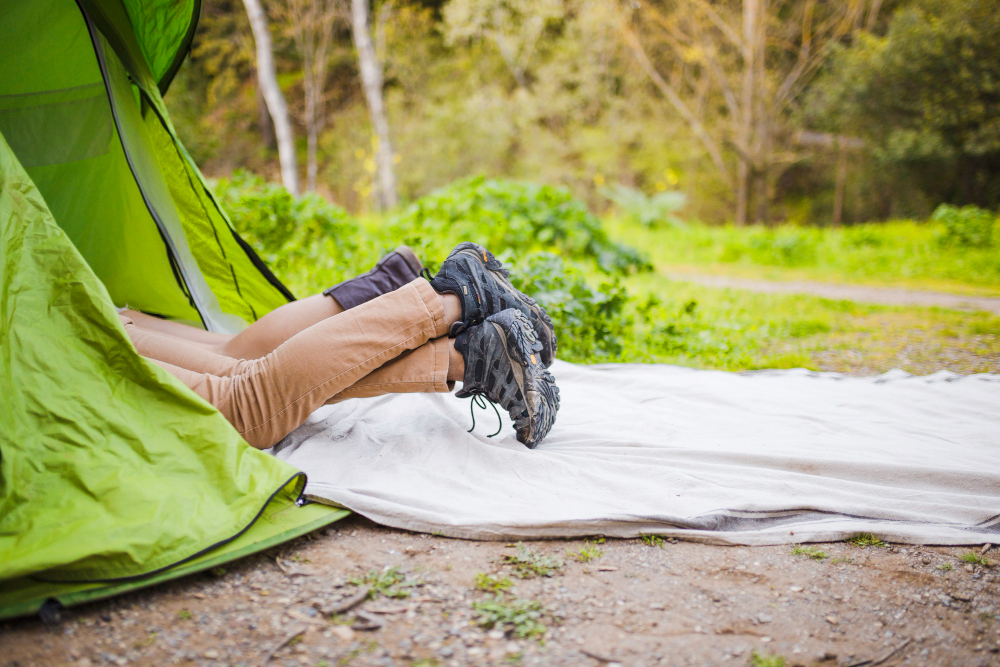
(312, 244)
(294, 235)
(968, 227)
(591, 322)
(522, 217)
(647, 210)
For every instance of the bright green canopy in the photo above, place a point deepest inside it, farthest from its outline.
(112, 473)
(81, 108)
(164, 30)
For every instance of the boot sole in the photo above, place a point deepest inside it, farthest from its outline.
(537, 384)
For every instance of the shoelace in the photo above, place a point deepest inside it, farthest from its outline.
(426, 273)
(480, 401)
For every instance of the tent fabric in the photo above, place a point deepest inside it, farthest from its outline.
(157, 33)
(164, 30)
(110, 468)
(113, 475)
(769, 457)
(80, 106)
(278, 524)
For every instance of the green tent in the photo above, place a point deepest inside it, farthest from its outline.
(113, 475)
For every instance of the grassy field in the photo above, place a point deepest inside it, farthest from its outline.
(897, 254)
(610, 305)
(731, 329)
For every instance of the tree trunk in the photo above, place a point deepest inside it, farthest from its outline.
(838, 193)
(762, 198)
(371, 80)
(742, 191)
(264, 123)
(276, 105)
(744, 127)
(311, 168)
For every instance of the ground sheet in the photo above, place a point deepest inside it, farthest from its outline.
(767, 457)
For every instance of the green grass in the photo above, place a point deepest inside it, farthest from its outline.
(729, 329)
(900, 253)
(810, 552)
(492, 583)
(651, 540)
(391, 583)
(528, 564)
(631, 315)
(975, 559)
(520, 618)
(588, 552)
(761, 660)
(866, 540)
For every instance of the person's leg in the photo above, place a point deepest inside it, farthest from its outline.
(393, 271)
(266, 334)
(274, 394)
(432, 367)
(179, 352)
(175, 329)
(258, 339)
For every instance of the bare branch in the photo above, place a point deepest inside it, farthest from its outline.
(731, 34)
(640, 55)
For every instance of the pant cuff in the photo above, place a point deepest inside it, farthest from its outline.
(433, 303)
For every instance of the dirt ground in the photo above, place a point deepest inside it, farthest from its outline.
(632, 603)
(892, 296)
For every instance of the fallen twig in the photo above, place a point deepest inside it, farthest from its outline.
(299, 616)
(598, 657)
(280, 645)
(365, 621)
(986, 547)
(293, 570)
(391, 610)
(879, 661)
(348, 603)
(891, 653)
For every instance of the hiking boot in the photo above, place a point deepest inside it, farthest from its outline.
(478, 279)
(399, 267)
(502, 364)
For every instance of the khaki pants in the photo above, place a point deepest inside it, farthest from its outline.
(392, 344)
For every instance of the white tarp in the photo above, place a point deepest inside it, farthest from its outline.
(755, 458)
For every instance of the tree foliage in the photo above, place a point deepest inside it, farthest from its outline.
(563, 92)
(926, 96)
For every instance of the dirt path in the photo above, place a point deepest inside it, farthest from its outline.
(879, 295)
(631, 604)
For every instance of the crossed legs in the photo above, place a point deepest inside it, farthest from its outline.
(394, 343)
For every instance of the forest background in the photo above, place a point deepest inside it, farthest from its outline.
(574, 132)
(762, 100)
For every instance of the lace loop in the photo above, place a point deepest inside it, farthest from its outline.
(480, 401)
